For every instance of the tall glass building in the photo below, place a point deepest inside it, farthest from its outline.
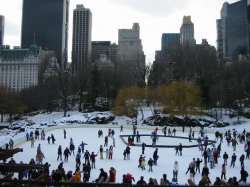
(81, 44)
(45, 23)
(233, 31)
(169, 40)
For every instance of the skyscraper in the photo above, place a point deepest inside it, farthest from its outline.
(187, 31)
(45, 23)
(219, 40)
(131, 58)
(233, 31)
(168, 40)
(1, 29)
(129, 43)
(81, 45)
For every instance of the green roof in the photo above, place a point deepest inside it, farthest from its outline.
(17, 54)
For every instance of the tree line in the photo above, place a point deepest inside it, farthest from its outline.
(187, 80)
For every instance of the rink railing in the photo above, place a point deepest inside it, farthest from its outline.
(66, 184)
(21, 137)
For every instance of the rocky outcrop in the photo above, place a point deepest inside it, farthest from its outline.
(174, 121)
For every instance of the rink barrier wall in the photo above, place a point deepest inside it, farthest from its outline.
(20, 138)
(68, 184)
(210, 142)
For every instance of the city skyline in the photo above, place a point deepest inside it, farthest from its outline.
(155, 18)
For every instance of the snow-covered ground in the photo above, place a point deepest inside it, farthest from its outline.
(88, 134)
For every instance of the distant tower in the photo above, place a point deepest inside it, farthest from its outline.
(130, 55)
(168, 40)
(129, 43)
(81, 44)
(233, 31)
(47, 22)
(1, 29)
(187, 31)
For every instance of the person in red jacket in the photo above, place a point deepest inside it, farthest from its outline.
(129, 178)
(112, 174)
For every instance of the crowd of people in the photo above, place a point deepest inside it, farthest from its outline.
(209, 158)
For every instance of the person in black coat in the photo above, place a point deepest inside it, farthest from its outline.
(46, 170)
(205, 155)
(59, 153)
(92, 159)
(72, 148)
(102, 174)
(205, 171)
(86, 156)
(106, 141)
(57, 175)
(128, 152)
(66, 154)
(155, 156)
(197, 163)
(233, 160)
(37, 134)
(180, 149)
(235, 182)
(151, 182)
(217, 181)
(143, 145)
(242, 158)
(150, 164)
(86, 172)
(225, 157)
(243, 174)
(219, 149)
(64, 133)
(53, 138)
(141, 182)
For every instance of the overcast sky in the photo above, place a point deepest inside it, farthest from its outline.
(154, 16)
